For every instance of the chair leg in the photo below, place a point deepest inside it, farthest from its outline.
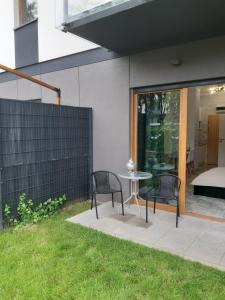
(146, 205)
(177, 215)
(112, 200)
(154, 204)
(96, 208)
(122, 203)
(178, 210)
(92, 200)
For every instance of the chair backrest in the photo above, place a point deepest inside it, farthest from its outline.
(169, 185)
(102, 181)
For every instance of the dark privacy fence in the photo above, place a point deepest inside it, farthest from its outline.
(45, 151)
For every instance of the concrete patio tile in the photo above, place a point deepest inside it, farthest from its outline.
(121, 218)
(107, 225)
(193, 223)
(130, 231)
(177, 240)
(153, 236)
(146, 236)
(161, 217)
(215, 226)
(85, 218)
(209, 247)
(89, 223)
(139, 222)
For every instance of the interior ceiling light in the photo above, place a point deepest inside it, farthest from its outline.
(217, 89)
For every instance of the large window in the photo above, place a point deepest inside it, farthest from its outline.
(27, 11)
(158, 136)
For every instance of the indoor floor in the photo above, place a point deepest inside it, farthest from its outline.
(204, 205)
(209, 206)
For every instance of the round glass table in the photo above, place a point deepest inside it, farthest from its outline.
(163, 167)
(134, 178)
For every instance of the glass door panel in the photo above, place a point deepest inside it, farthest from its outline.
(158, 136)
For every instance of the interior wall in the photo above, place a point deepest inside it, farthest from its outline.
(193, 123)
(208, 104)
(201, 104)
(193, 117)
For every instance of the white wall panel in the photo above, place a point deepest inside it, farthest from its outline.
(54, 43)
(7, 48)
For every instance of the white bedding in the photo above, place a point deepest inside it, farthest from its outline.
(214, 177)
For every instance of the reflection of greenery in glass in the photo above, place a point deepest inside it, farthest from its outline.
(79, 6)
(29, 10)
(158, 133)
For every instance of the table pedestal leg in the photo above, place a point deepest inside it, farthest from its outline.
(134, 193)
(134, 186)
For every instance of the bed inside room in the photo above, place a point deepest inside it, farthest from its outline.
(205, 184)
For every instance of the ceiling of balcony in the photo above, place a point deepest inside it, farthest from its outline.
(157, 23)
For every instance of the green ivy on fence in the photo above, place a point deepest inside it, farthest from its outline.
(29, 214)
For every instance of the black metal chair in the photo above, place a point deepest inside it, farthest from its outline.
(168, 190)
(105, 182)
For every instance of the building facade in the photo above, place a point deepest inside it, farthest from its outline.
(91, 76)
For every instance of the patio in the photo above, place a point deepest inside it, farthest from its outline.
(195, 239)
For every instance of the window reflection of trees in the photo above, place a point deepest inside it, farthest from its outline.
(29, 10)
(159, 131)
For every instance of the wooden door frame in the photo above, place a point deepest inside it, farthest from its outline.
(182, 147)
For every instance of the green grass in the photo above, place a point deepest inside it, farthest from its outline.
(59, 260)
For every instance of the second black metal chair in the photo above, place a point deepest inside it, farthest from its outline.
(168, 190)
(105, 182)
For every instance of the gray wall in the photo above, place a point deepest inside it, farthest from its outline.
(104, 86)
(26, 44)
(200, 60)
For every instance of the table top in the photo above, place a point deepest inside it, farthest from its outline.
(136, 175)
(163, 167)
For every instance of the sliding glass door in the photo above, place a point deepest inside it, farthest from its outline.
(158, 137)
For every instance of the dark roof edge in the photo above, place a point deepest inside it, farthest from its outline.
(65, 62)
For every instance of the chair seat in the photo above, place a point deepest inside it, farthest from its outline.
(110, 191)
(158, 196)
(152, 193)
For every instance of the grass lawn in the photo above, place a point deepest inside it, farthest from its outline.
(59, 260)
